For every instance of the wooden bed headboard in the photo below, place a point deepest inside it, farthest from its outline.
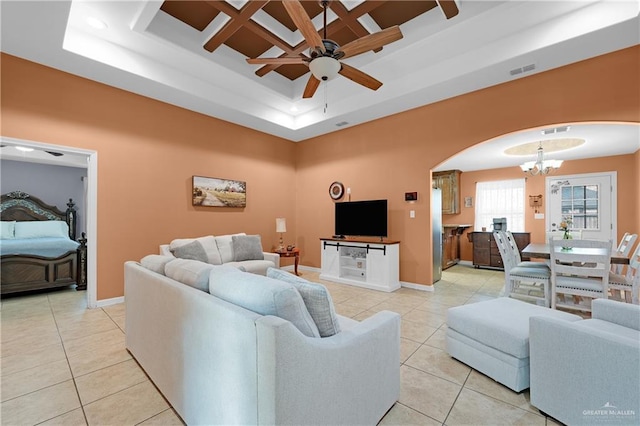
(20, 206)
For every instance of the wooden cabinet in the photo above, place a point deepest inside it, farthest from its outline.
(451, 244)
(449, 183)
(485, 249)
(373, 265)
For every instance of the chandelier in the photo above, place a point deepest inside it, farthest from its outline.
(540, 166)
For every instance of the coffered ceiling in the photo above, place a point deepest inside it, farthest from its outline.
(193, 54)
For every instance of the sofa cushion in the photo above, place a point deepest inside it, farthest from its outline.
(190, 272)
(316, 298)
(225, 248)
(156, 262)
(208, 244)
(262, 295)
(254, 266)
(501, 323)
(192, 250)
(246, 247)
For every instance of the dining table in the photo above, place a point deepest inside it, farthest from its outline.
(543, 251)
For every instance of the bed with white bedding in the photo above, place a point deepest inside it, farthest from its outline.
(37, 245)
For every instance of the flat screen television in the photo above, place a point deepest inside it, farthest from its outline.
(361, 218)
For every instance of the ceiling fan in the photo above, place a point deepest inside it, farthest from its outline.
(324, 61)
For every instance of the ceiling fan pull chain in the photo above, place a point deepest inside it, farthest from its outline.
(326, 103)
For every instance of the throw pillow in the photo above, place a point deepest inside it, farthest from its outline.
(193, 250)
(316, 298)
(208, 244)
(246, 247)
(7, 230)
(156, 262)
(262, 295)
(223, 243)
(190, 272)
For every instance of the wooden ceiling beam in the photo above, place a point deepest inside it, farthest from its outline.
(234, 24)
(350, 21)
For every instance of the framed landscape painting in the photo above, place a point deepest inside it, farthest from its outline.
(215, 192)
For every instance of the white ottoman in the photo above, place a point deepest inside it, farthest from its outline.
(493, 337)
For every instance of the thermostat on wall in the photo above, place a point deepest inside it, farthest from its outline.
(411, 196)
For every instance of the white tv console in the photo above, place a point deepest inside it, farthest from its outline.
(361, 262)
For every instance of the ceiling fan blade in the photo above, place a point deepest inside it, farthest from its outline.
(302, 21)
(359, 77)
(276, 61)
(371, 41)
(449, 7)
(311, 87)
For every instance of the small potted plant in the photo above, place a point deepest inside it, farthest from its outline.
(564, 225)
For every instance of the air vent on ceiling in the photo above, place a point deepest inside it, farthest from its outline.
(555, 130)
(522, 70)
(342, 123)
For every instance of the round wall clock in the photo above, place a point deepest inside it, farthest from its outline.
(336, 190)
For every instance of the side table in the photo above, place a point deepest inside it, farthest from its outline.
(295, 253)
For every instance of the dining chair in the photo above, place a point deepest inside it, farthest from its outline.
(515, 252)
(628, 283)
(624, 248)
(579, 269)
(521, 281)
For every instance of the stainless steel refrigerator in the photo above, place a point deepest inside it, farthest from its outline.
(436, 211)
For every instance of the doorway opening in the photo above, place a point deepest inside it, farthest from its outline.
(91, 200)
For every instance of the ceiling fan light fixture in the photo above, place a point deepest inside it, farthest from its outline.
(324, 68)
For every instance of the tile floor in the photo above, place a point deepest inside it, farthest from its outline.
(62, 363)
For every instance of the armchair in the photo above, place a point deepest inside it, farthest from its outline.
(586, 372)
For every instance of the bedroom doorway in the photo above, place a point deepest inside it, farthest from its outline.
(91, 201)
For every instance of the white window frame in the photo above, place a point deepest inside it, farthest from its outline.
(503, 198)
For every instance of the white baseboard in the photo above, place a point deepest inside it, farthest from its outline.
(415, 286)
(109, 302)
(465, 263)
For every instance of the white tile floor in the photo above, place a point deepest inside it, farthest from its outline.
(65, 364)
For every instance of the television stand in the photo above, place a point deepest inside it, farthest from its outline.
(362, 262)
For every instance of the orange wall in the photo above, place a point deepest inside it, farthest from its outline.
(625, 165)
(637, 189)
(147, 154)
(389, 156)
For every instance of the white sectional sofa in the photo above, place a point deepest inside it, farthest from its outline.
(221, 250)
(217, 360)
(588, 372)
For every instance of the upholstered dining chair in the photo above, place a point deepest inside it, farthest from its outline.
(579, 268)
(515, 253)
(624, 248)
(628, 283)
(521, 281)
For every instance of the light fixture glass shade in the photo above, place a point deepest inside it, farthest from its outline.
(540, 166)
(281, 224)
(324, 68)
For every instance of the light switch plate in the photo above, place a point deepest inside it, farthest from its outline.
(412, 214)
(539, 216)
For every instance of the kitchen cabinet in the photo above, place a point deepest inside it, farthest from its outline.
(485, 249)
(451, 244)
(449, 183)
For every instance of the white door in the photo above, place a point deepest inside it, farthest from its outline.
(588, 200)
